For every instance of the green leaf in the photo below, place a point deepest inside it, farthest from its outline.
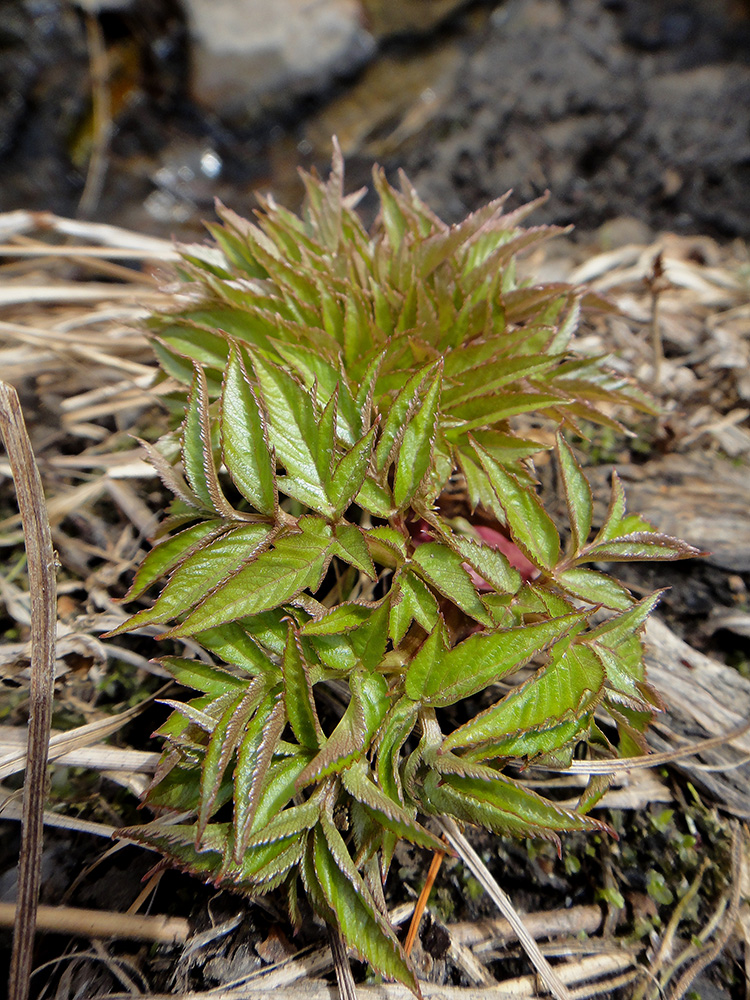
(577, 494)
(489, 563)
(295, 563)
(398, 414)
(386, 812)
(531, 527)
(196, 441)
(244, 439)
(371, 639)
(387, 546)
(343, 618)
(621, 627)
(396, 729)
(298, 694)
(350, 545)
(293, 431)
(357, 916)
(596, 588)
(291, 821)
(254, 757)
(171, 551)
(570, 685)
(349, 474)
(500, 805)
(639, 546)
(200, 676)
(410, 601)
(441, 677)
(209, 567)
(443, 568)
(415, 452)
(375, 499)
(232, 643)
(351, 737)
(225, 738)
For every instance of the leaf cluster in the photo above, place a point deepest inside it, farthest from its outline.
(340, 384)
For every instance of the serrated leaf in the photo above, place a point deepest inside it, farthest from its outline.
(244, 439)
(200, 676)
(350, 545)
(254, 757)
(438, 676)
(395, 421)
(298, 694)
(570, 685)
(207, 567)
(386, 812)
(531, 527)
(594, 587)
(375, 499)
(387, 546)
(232, 643)
(225, 737)
(351, 737)
(411, 600)
(341, 619)
(349, 474)
(295, 563)
(291, 821)
(501, 805)
(597, 787)
(415, 451)
(577, 494)
(356, 914)
(196, 441)
(397, 727)
(550, 745)
(443, 568)
(640, 546)
(371, 639)
(621, 627)
(169, 552)
(293, 430)
(494, 373)
(176, 842)
(489, 563)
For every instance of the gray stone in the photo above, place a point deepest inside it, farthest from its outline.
(249, 55)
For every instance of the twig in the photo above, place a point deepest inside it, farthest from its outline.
(40, 558)
(437, 860)
(482, 935)
(547, 974)
(102, 923)
(653, 759)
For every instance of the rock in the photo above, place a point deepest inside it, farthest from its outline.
(555, 99)
(249, 55)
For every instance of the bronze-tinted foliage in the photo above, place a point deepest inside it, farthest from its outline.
(338, 382)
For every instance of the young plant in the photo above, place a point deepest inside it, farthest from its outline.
(356, 534)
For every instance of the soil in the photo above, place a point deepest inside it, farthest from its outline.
(617, 107)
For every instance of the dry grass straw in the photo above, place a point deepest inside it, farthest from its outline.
(69, 340)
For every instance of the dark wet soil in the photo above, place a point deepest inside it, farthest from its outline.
(618, 107)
